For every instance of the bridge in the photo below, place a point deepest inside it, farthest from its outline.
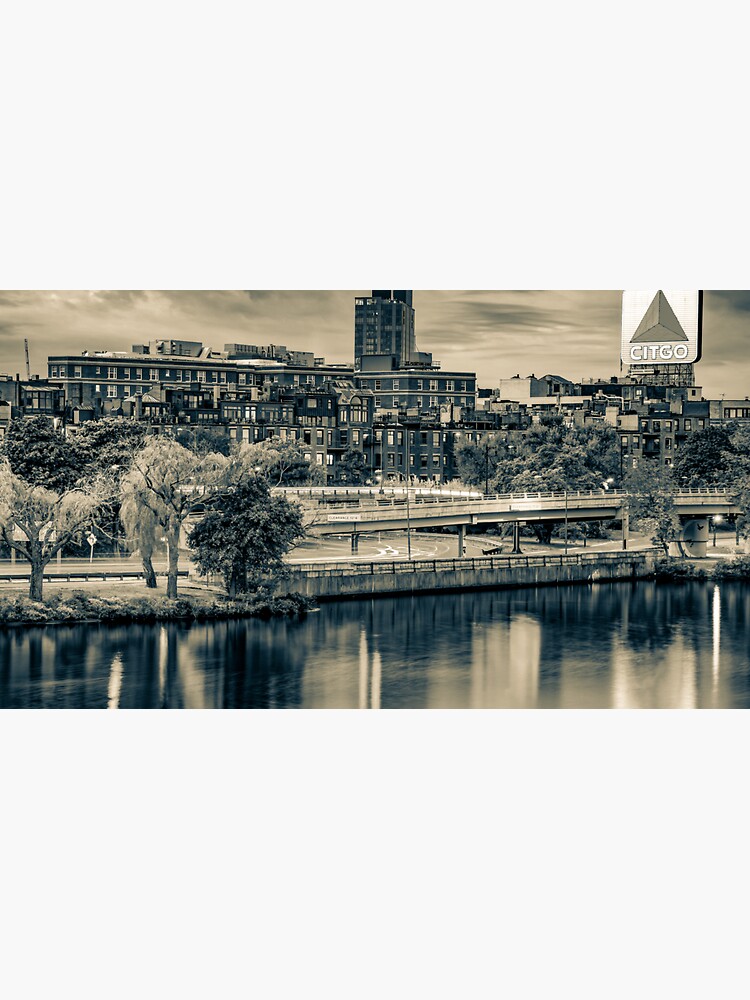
(363, 511)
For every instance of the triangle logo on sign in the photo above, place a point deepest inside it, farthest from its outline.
(659, 324)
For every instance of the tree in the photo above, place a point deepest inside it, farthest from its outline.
(478, 464)
(737, 475)
(37, 522)
(108, 443)
(651, 503)
(41, 455)
(352, 468)
(204, 440)
(142, 530)
(704, 458)
(168, 483)
(282, 463)
(246, 536)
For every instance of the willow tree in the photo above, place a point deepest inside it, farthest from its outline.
(37, 522)
(142, 530)
(167, 483)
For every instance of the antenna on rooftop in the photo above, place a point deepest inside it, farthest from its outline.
(28, 366)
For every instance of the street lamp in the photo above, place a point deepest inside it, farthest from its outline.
(566, 520)
(406, 477)
(717, 519)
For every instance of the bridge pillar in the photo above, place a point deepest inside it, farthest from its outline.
(693, 540)
(516, 550)
(355, 542)
(461, 546)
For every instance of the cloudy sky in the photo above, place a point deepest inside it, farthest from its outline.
(496, 333)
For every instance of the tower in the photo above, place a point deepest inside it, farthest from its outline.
(384, 325)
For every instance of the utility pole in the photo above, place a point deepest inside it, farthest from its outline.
(28, 366)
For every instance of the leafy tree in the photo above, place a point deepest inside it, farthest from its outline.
(550, 456)
(737, 475)
(352, 468)
(41, 455)
(204, 440)
(478, 464)
(109, 443)
(651, 503)
(704, 458)
(168, 483)
(246, 536)
(282, 463)
(37, 522)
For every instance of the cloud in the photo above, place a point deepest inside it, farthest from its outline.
(495, 333)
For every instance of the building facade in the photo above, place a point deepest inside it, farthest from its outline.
(384, 326)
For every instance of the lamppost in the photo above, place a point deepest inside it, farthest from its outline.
(566, 520)
(487, 468)
(407, 479)
(717, 519)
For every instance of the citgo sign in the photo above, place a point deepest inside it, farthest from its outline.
(661, 327)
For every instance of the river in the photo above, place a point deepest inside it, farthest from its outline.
(622, 645)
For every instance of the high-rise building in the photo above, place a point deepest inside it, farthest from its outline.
(384, 326)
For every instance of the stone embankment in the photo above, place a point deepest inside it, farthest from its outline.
(331, 581)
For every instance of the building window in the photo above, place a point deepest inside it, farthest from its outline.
(139, 373)
(111, 391)
(688, 425)
(201, 376)
(433, 402)
(395, 384)
(433, 385)
(178, 373)
(377, 402)
(378, 384)
(420, 385)
(112, 373)
(53, 371)
(77, 371)
(449, 385)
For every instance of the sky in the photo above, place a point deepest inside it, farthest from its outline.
(498, 334)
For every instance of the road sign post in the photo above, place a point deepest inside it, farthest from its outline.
(91, 539)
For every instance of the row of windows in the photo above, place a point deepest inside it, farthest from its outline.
(114, 372)
(635, 442)
(655, 426)
(449, 385)
(432, 401)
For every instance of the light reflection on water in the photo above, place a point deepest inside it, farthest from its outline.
(610, 645)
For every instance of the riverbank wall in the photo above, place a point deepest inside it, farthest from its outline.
(335, 581)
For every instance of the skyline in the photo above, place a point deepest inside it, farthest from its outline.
(497, 334)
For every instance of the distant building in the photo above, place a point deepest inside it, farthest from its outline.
(384, 327)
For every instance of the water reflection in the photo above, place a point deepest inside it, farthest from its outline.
(609, 645)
